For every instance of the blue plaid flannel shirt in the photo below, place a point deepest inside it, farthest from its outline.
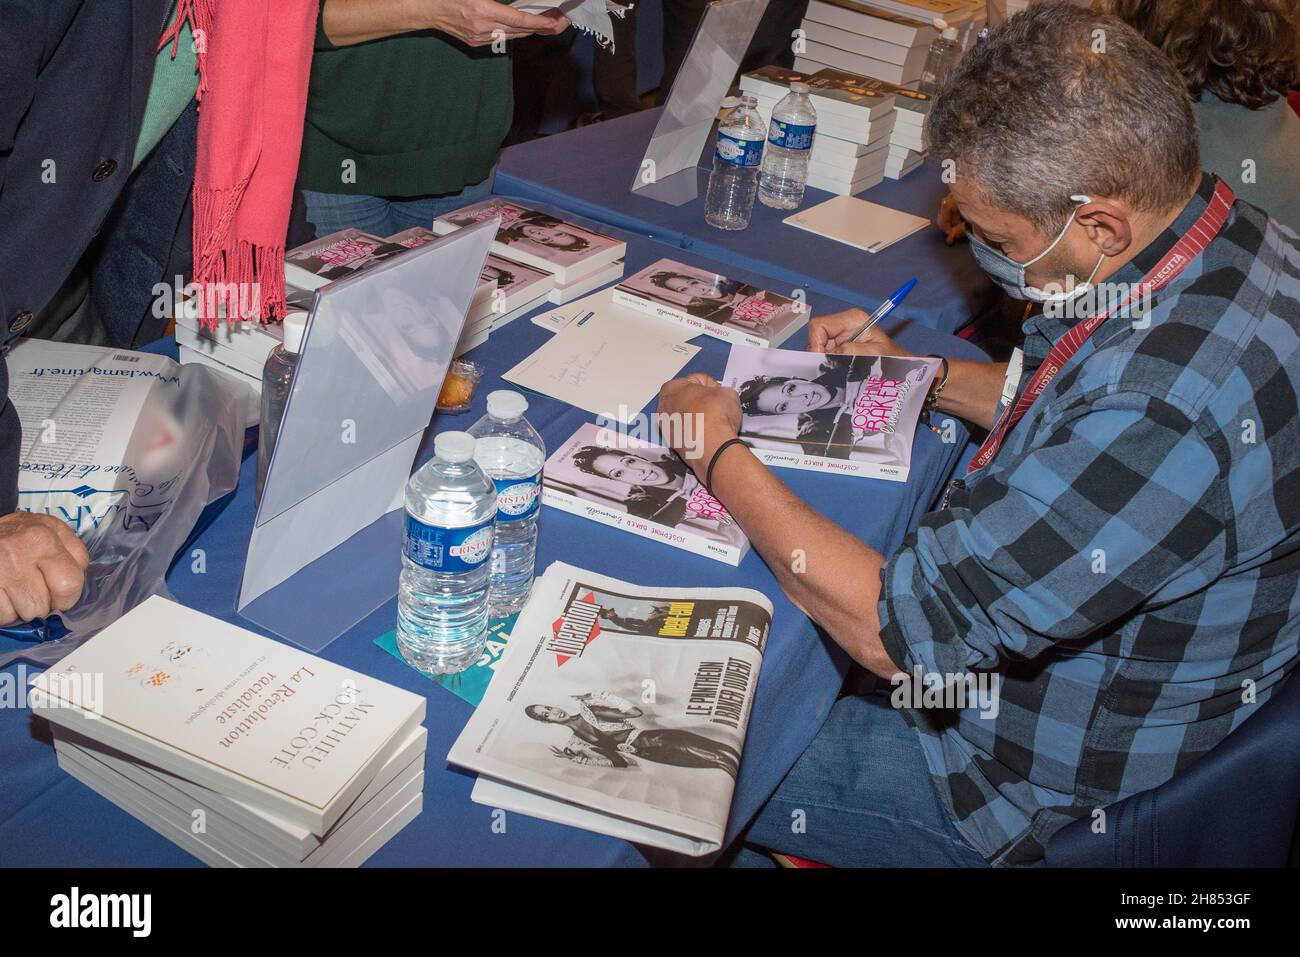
(1129, 562)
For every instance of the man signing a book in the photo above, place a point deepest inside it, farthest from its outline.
(1120, 565)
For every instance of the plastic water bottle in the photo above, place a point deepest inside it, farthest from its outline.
(442, 601)
(512, 454)
(733, 184)
(945, 53)
(277, 379)
(789, 145)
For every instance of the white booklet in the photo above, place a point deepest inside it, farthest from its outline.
(858, 223)
(252, 718)
(621, 709)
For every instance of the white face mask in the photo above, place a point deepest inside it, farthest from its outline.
(1010, 275)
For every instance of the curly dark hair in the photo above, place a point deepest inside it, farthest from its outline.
(751, 389)
(1243, 51)
(515, 231)
(585, 458)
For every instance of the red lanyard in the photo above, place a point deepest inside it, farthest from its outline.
(1188, 247)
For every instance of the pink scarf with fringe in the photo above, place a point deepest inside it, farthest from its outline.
(254, 66)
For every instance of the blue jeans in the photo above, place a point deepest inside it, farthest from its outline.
(330, 212)
(863, 793)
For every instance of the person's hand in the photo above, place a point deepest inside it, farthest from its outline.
(830, 334)
(701, 414)
(949, 220)
(479, 22)
(42, 567)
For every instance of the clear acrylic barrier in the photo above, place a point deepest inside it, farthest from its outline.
(325, 546)
(668, 171)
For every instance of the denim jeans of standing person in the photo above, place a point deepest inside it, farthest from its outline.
(330, 212)
(861, 796)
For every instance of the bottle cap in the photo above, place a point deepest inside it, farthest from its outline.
(506, 404)
(454, 447)
(950, 33)
(800, 88)
(730, 102)
(295, 327)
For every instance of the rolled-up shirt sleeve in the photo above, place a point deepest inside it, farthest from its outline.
(1120, 502)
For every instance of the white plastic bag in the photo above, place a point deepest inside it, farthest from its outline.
(128, 448)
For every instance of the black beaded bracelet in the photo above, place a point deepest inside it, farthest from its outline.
(708, 474)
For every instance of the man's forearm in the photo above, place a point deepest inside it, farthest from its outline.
(830, 575)
(973, 390)
(355, 21)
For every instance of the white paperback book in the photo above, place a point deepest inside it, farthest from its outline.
(124, 785)
(703, 301)
(910, 59)
(250, 717)
(872, 21)
(857, 63)
(850, 130)
(268, 833)
(176, 823)
(569, 251)
(856, 222)
(852, 415)
(576, 288)
(643, 488)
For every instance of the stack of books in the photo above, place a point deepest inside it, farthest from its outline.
(237, 350)
(907, 144)
(866, 39)
(703, 301)
(855, 119)
(867, 128)
(581, 260)
(243, 751)
(507, 289)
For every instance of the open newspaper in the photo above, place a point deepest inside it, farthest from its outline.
(621, 709)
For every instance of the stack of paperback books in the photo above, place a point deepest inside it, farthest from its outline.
(855, 118)
(867, 39)
(703, 301)
(867, 128)
(580, 260)
(507, 289)
(237, 350)
(243, 751)
(907, 144)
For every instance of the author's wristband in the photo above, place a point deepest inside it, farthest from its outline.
(708, 473)
(936, 390)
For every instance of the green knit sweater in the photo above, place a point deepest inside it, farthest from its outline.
(417, 115)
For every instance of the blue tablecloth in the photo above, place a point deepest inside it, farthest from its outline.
(47, 818)
(590, 171)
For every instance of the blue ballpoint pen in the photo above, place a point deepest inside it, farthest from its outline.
(885, 309)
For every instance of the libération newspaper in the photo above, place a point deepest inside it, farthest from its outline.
(621, 709)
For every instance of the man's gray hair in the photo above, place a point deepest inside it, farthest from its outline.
(1063, 100)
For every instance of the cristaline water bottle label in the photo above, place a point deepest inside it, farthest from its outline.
(791, 136)
(738, 152)
(447, 549)
(518, 498)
